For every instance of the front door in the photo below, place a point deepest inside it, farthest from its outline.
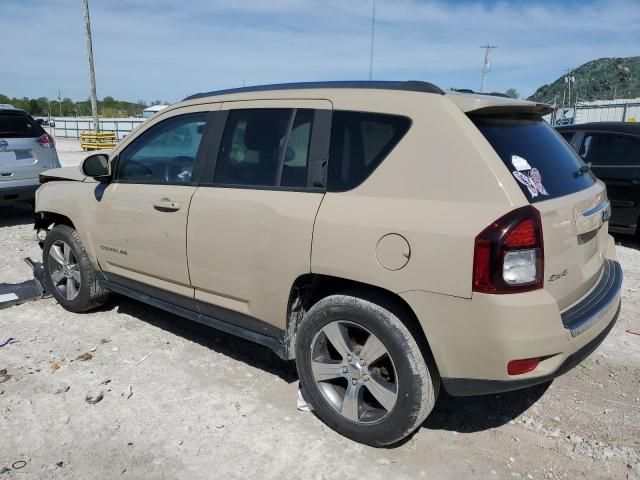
(251, 224)
(141, 234)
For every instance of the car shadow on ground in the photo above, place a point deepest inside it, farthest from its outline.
(245, 351)
(459, 414)
(482, 412)
(18, 214)
(628, 241)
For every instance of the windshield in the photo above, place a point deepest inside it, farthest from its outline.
(539, 159)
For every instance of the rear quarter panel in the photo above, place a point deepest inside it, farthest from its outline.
(439, 187)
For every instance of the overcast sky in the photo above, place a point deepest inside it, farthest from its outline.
(167, 49)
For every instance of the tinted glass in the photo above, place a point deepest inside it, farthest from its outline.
(610, 149)
(568, 136)
(541, 162)
(359, 143)
(165, 153)
(296, 160)
(18, 125)
(252, 146)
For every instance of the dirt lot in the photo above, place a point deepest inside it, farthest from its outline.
(184, 401)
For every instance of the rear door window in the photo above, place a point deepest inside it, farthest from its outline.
(360, 141)
(266, 147)
(18, 125)
(611, 150)
(541, 162)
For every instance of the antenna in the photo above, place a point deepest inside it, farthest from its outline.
(486, 65)
(373, 30)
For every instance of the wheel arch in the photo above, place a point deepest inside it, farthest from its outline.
(310, 288)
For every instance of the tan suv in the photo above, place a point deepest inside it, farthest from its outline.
(388, 236)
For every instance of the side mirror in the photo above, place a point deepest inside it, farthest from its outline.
(96, 166)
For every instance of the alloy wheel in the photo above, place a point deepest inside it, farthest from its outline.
(354, 372)
(64, 270)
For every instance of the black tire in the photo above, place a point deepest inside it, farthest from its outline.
(417, 384)
(90, 295)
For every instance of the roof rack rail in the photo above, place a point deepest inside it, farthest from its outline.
(411, 85)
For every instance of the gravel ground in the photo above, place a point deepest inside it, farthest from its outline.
(179, 400)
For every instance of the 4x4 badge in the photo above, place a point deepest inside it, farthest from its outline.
(558, 276)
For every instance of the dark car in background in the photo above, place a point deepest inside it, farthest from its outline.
(613, 150)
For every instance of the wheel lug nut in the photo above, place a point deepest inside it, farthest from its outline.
(354, 381)
(349, 357)
(365, 378)
(344, 370)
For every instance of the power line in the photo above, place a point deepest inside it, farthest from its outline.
(486, 64)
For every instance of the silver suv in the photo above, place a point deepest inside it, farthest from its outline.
(26, 150)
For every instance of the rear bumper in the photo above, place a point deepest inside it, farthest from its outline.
(473, 340)
(462, 387)
(12, 191)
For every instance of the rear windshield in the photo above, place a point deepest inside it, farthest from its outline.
(18, 125)
(542, 163)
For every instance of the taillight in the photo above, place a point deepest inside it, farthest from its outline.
(46, 141)
(509, 254)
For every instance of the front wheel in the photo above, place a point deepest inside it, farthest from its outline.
(363, 371)
(69, 274)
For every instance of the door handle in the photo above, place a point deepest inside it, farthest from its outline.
(635, 182)
(166, 205)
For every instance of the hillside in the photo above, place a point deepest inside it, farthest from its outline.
(596, 80)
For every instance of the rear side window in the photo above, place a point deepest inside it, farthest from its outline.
(360, 141)
(541, 162)
(265, 148)
(18, 125)
(610, 149)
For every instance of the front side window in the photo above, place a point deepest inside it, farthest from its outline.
(360, 141)
(610, 149)
(265, 148)
(164, 154)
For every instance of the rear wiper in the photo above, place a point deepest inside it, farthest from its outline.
(583, 169)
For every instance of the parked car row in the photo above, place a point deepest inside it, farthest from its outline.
(393, 239)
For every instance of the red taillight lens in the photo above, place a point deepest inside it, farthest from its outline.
(509, 255)
(518, 367)
(46, 141)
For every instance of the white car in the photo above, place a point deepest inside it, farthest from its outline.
(26, 150)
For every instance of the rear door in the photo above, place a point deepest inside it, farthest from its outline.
(251, 221)
(615, 159)
(21, 156)
(572, 202)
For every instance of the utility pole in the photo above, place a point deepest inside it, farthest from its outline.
(60, 102)
(373, 31)
(92, 74)
(486, 64)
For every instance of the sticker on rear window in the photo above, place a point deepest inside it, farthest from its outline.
(520, 163)
(533, 181)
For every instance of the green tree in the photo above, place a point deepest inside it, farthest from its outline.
(513, 93)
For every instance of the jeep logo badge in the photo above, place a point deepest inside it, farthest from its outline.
(3, 144)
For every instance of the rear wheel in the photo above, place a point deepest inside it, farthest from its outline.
(363, 371)
(69, 274)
